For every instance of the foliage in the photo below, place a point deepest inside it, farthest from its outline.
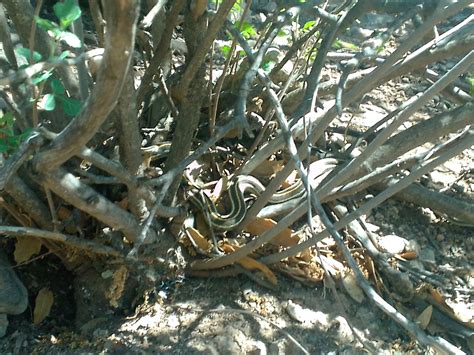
(9, 140)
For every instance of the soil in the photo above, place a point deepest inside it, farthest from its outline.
(204, 316)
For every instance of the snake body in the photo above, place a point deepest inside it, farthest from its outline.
(243, 185)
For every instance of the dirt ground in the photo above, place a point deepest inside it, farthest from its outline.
(235, 315)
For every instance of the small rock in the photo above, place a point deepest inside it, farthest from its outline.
(372, 227)
(230, 341)
(173, 321)
(350, 284)
(392, 243)
(440, 237)
(343, 332)
(256, 347)
(305, 315)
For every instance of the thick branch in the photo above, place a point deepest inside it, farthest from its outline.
(121, 23)
(69, 188)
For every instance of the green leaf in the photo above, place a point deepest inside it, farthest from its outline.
(307, 26)
(41, 77)
(71, 106)
(48, 103)
(3, 146)
(225, 49)
(6, 132)
(25, 134)
(71, 39)
(57, 33)
(25, 52)
(67, 12)
(470, 81)
(13, 141)
(57, 87)
(268, 66)
(338, 44)
(248, 31)
(7, 120)
(64, 55)
(45, 24)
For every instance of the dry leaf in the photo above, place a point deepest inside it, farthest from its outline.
(285, 238)
(249, 263)
(63, 213)
(25, 248)
(198, 239)
(221, 186)
(44, 302)
(306, 255)
(425, 317)
(228, 248)
(408, 255)
(350, 284)
(268, 168)
(290, 180)
(252, 264)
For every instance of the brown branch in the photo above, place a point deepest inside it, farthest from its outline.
(197, 60)
(130, 141)
(29, 201)
(87, 245)
(5, 36)
(96, 15)
(121, 20)
(83, 197)
(162, 48)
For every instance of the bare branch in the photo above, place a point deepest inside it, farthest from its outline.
(121, 19)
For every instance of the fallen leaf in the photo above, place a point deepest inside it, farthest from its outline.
(221, 186)
(228, 248)
(252, 264)
(350, 284)
(268, 168)
(408, 255)
(285, 238)
(290, 180)
(198, 239)
(425, 317)
(44, 302)
(25, 248)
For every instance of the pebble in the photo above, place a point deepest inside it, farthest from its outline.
(392, 243)
(343, 332)
(305, 315)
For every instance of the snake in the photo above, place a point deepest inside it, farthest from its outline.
(242, 185)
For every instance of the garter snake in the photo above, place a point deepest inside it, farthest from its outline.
(248, 184)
